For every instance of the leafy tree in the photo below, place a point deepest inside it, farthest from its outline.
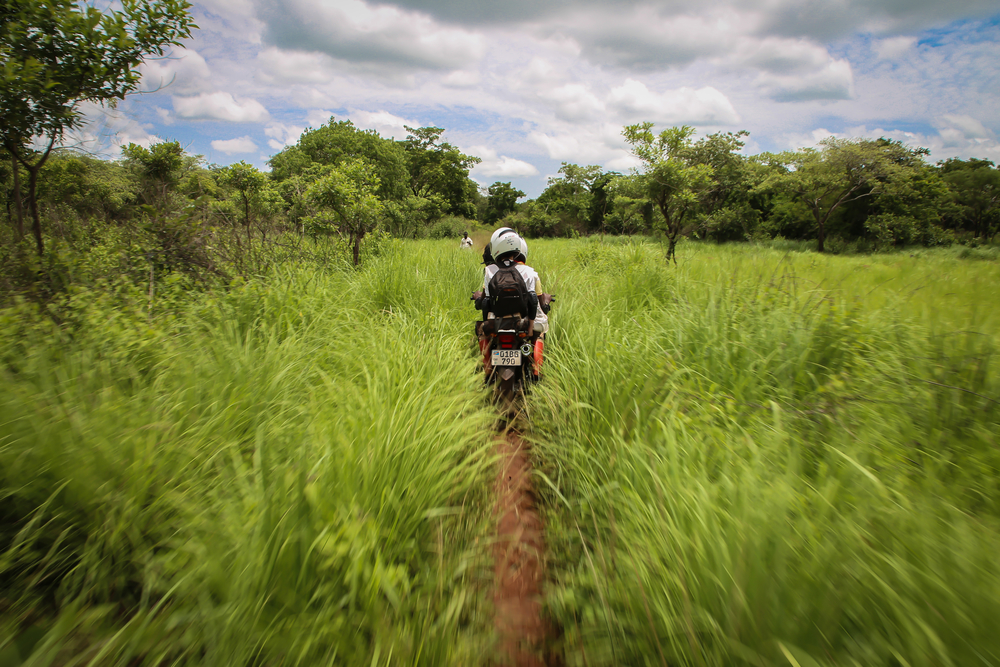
(249, 187)
(628, 207)
(502, 201)
(975, 192)
(349, 193)
(570, 196)
(57, 54)
(157, 169)
(340, 142)
(670, 179)
(438, 170)
(843, 171)
(86, 186)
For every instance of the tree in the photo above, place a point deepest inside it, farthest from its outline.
(627, 205)
(570, 197)
(57, 54)
(157, 169)
(248, 185)
(502, 201)
(975, 188)
(845, 170)
(439, 170)
(348, 191)
(669, 178)
(340, 142)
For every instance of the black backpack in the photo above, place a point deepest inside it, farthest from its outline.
(508, 291)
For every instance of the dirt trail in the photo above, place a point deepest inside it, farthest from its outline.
(519, 561)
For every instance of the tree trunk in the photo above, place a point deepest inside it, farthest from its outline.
(36, 221)
(357, 248)
(18, 205)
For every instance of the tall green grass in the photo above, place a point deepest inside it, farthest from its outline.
(771, 458)
(289, 472)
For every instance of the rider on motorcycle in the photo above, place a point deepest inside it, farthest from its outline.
(507, 249)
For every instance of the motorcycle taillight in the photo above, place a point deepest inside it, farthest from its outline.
(506, 340)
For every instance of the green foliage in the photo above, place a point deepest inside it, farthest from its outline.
(338, 142)
(975, 190)
(451, 227)
(670, 179)
(502, 200)
(348, 192)
(766, 457)
(440, 172)
(57, 54)
(843, 172)
(236, 481)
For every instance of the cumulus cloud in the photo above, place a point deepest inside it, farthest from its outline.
(383, 122)
(106, 130)
(835, 81)
(647, 40)
(893, 48)
(230, 146)
(784, 56)
(966, 126)
(499, 165)
(704, 106)
(281, 135)
(585, 145)
(282, 66)
(573, 102)
(220, 106)
(356, 32)
(183, 71)
(461, 79)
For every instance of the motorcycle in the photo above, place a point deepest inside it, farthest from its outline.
(512, 351)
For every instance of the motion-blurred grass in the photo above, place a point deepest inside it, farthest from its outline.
(767, 458)
(288, 472)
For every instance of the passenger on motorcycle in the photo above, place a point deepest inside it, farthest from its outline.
(507, 248)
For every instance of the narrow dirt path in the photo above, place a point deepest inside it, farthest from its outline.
(526, 639)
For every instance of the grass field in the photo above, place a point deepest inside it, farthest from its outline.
(757, 457)
(772, 458)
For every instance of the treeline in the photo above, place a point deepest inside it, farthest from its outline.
(158, 210)
(872, 194)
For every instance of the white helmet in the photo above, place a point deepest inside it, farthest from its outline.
(505, 243)
(499, 232)
(524, 249)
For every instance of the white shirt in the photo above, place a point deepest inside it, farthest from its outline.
(530, 281)
(466, 243)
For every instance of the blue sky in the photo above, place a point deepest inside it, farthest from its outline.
(527, 85)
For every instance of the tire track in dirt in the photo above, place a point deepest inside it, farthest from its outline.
(526, 638)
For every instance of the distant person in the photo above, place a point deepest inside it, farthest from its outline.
(466, 241)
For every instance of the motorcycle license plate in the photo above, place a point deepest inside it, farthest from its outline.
(506, 357)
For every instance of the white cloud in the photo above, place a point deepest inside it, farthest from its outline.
(461, 79)
(967, 126)
(280, 66)
(383, 122)
(183, 71)
(230, 146)
(893, 48)
(784, 56)
(704, 106)
(573, 102)
(494, 165)
(357, 32)
(318, 117)
(220, 106)
(835, 81)
(281, 135)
